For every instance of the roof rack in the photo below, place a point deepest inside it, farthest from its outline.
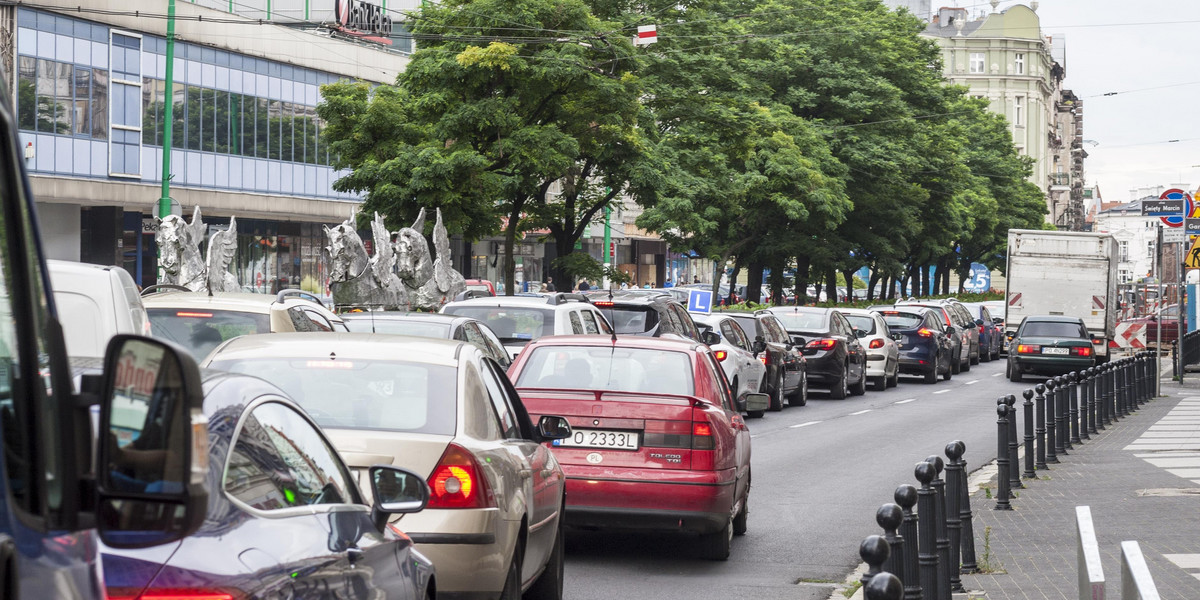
(472, 294)
(564, 297)
(163, 287)
(284, 294)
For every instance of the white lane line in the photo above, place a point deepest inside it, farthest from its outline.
(905, 401)
(804, 424)
(972, 382)
(997, 374)
(941, 392)
(861, 412)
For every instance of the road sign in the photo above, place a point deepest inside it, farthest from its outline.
(1189, 208)
(1162, 207)
(699, 301)
(1173, 236)
(1192, 225)
(980, 279)
(1192, 259)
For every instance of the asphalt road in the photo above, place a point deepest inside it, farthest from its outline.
(820, 472)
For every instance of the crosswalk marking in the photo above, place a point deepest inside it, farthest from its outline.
(1173, 444)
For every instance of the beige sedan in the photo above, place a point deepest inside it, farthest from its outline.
(441, 409)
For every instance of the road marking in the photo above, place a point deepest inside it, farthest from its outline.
(941, 392)
(861, 412)
(905, 401)
(997, 374)
(804, 424)
(972, 382)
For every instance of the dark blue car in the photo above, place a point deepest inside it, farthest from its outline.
(925, 348)
(990, 335)
(285, 516)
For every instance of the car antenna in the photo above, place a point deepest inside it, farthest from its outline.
(612, 324)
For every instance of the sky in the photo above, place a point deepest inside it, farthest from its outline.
(1149, 52)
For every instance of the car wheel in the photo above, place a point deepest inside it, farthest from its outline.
(1014, 373)
(838, 390)
(777, 394)
(859, 388)
(949, 372)
(894, 380)
(880, 383)
(932, 375)
(974, 360)
(549, 585)
(966, 365)
(742, 518)
(800, 396)
(512, 583)
(716, 545)
(955, 365)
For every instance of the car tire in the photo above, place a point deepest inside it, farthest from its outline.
(949, 373)
(894, 380)
(776, 403)
(859, 388)
(1014, 373)
(800, 396)
(955, 365)
(932, 375)
(879, 383)
(549, 585)
(839, 390)
(742, 518)
(974, 360)
(512, 582)
(717, 545)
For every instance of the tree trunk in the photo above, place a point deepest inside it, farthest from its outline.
(737, 269)
(754, 282)
(874, 280)
(802, 280)
(948, 265)
(777, 282)
(563, 281)
(831, 285)
(849, 275)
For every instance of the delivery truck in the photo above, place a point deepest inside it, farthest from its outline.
(1065, 273)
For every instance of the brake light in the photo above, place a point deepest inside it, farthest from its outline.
(604, 303)
(720, 354)
(824, 344)
(765, 357)
(1028, 348)
(1082, 351)
(166, 594)
(200, 315)
(925, 333)
(458, 482)
(702, 436)
(876, 343)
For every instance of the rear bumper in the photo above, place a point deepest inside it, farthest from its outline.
(824, 367)
(918, 360)
(468, 547)
(877, 364)
(1043, 365)
(655, 499)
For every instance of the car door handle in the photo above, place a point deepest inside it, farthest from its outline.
(354, 555)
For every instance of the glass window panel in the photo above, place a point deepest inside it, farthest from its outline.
(194, 117)
(289, 132)
(133, 106)
(118, 103)
(235, 124)
(275, 122)
(99, 104)
(64, 98)
(29, 111)
(221, 122)
(83, 84)
(179, 115)
(261, 128)
(208, 112)
(45, 94)
(304, 147)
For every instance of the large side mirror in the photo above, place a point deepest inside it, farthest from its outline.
(710, 338)
(979, 322)
(395, 491)
(553, 428)
(152, 461)
(859, 333)
(759, 346)
(756, 402)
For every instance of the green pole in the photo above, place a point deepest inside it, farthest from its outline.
(164, 203)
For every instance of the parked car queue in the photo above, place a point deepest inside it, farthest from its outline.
(469, 467)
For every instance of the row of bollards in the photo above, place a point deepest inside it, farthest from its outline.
(1066, 411)
(925, 551)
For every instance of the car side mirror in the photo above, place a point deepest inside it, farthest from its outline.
(979, 322)
(756, 402)
(758, 347)
(553, 428)
(860, 333)
(710, 338)
(395, 491)
(152, 455)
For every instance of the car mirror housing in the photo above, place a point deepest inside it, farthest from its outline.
(979, 322)
(396, 491)
(553, 428)
(756, 402)
(152, 456)
(859, 333)
(758, 347)
(710, 338)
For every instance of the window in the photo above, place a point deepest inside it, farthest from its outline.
(576, 324)
(589, 322)
(1124, 245)
(607, 369)
(1018, 111)
(1125, 276)
(977, 62)
(731, 335)
(61, 98)
(280, 461)
(125, 146)
(504, 411)
(1019, 63)
(1150, 249)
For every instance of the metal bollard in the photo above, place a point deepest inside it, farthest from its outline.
(1014, 464)
(874, 551)
(927, 531)
(1119, 387)
(890, 517)
(884, 586)
(1110, 415)
(964, 515)
(1093, 406)
(1073, 407)
(1061, 432)
(1102, 396)
(1084, 395)
(1144, 377)
(954, 481)
(1130, 386)
(943, 540)
(1029, 451)
(1002, 455)
(1051, 423)
(906, 497)
(1040, 432)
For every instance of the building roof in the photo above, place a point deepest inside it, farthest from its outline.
(1118, 208)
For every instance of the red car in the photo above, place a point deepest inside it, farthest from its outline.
(657, 442)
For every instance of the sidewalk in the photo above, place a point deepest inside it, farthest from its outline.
(1141, 478)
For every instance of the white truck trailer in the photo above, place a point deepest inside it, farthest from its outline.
(1063, 273)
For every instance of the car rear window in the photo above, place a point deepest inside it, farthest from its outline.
(363, 394)
(201, 330)
(512, 324)
(635, 320)
(414, 327)
(1052, 329)
(862, 322)
(901, 320)
(803, 321)
(608, 368)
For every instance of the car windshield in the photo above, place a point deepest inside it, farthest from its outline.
(415, 327)
(899, 320)
(608, 368)
(201, 330)
(512, 324)
(1052, 329)
(363, 394)
(802, 321)
(862, 323)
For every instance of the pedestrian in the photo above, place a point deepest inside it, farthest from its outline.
(500, 288)
(624, 285)
(583, 285)
(648, 285)
(695, 279)
(550, 285)
(668, 283)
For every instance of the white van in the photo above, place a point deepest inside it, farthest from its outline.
(95, 303)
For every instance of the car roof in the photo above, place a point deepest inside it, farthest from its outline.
(390, 315)
(857, 311)
(634, 297)
(799, 309)
(502, 301)
(1053, 319)
(342, 345)
(621, 341)
(75, 268)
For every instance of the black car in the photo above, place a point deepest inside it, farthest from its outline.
(787, 375)
(925, 349)
(432, 325)
(645, 312)
(285, 516)
(832, 352)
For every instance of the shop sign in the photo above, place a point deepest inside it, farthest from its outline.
(359, 17)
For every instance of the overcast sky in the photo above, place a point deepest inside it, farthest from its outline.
(1131, 46)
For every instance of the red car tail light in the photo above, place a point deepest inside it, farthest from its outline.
(720, 354)
(166, 594)
(667, 434)
(1028, 349)
(765, 358)
(822, 344)
(458, 482)
(876, 343)
(702, 436)
(925, 333)
(1082, 351)
(604, 303)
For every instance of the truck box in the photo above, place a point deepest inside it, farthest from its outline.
(1063, 273)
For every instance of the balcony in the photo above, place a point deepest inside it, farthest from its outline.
(1060, 182)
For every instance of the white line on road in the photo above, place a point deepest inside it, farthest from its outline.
(997, 374)
(972, 382)
(861, 412)
(803, 424)
(941, 392)
(905, 401)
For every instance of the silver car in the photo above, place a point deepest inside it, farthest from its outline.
(883, 355)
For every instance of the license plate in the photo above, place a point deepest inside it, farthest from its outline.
(1056, 350)
(600, 438)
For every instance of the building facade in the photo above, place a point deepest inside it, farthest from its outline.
(89, 83)
(1136, 235)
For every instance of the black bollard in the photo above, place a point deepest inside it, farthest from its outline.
(1002, 456)
(874, 551)
(906, 497)
(1142, 377)
(884, 586)
(1061, 432)
(890, 517)
(1073, 407)
(927, 531)
(1014, 443)
(1119, 387)
(1130, 386)
(1098, 397)
(964, 514)
(1039, 411)
(1029, 450)
(1051, 426)
(943, 538)
(1093, 414)
(1084, 402)
(954, 476)
(1110, 416)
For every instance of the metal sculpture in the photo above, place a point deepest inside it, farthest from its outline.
(179, 254)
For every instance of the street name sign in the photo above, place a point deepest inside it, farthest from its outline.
(1162, 207)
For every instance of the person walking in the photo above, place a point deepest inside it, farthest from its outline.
(583, 285)
(550, 285)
